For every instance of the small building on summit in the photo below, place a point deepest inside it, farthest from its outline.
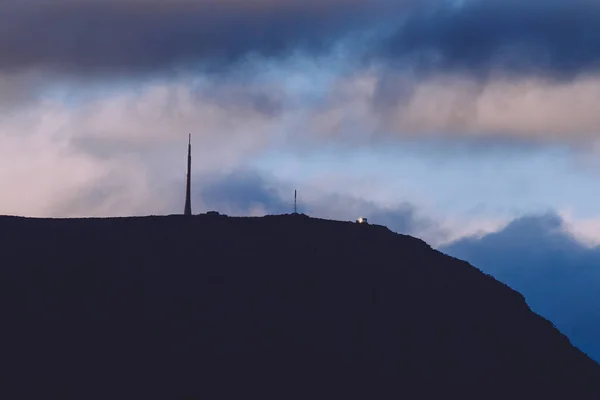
(215, 214)
(362, 220)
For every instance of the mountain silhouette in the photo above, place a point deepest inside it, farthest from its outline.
(282, 307)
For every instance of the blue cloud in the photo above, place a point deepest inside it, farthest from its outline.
(241, 191)
(557, 38)
(559, 276)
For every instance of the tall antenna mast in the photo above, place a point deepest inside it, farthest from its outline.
(295, 203)
(188, 197)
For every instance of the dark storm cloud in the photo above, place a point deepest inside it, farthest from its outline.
(150, 35)
(555, 38)
(558, 38)
(558, 276)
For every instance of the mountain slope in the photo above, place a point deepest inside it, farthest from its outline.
(280, 307)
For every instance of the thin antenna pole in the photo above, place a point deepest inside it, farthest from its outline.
(188, 200)
(295, 202)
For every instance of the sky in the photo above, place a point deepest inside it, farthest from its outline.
(472, 124)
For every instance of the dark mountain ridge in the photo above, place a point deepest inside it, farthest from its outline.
(279, 307)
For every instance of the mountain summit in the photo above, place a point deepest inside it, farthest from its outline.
(282, 307)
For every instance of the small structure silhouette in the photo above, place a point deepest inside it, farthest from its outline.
(362, 220)
(188, 200)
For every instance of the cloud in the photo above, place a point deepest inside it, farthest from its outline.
(554, 38)
(559, 39)
(385, 69)
(376, 105)
(147, 36)
(243, 192)
(558, 275)
(57, 152)
(115, 154)
(587, 231)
